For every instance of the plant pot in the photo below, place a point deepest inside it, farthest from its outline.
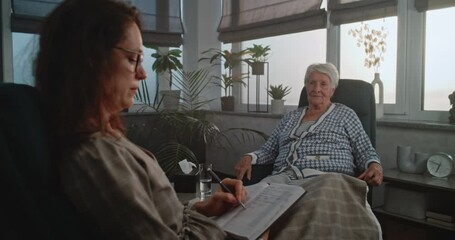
(171, 99)
(257, 68)
(227, 103)
(277, 106)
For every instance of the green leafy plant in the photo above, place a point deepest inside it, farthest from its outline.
(182, 133)
(374, 43)
(227, 82)
(278, 92)
(258, 56)
(258, 53)
(167, 62)
(192, 84)
(229, 61)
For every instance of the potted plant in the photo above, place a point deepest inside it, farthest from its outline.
(176, 135)
(226, 83)
(188, 130)
(278, 92)
(167, 62)
(259, 55)
(229, 60)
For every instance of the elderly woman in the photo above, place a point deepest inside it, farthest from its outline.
(324, 136)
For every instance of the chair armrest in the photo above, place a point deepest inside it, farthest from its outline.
(258, 172)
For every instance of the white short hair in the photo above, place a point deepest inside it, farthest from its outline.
(326, 68)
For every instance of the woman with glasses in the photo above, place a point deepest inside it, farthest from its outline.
(88, 69)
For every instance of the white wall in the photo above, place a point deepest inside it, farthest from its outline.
(201, 18)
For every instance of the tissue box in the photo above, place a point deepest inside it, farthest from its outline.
(185, 183)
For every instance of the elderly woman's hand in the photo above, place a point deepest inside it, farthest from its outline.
(373, 175)
(244, 166)
(221, 201)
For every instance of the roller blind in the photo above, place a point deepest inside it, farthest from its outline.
(424, 5)
(27, 15)
(252, 19)
(348, 11)
(162, 24)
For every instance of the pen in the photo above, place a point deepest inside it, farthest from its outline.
(224, 187)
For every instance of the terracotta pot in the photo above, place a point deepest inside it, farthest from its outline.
(227, 103)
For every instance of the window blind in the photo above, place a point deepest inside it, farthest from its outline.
(424, 5)
(253, 19)
(348, 11)
(27, 15)
(162, 24)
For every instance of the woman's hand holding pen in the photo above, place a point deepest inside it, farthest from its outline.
(221, 201)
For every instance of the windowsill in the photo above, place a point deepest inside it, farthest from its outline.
(249, 114)
(425, 125)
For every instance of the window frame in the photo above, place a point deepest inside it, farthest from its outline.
(410, 65)
(417, 21)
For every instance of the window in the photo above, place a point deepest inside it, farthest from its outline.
(300, 42)
(352, 57)
(419, 51)
(439, 59)
(290, 56)
(25, 49)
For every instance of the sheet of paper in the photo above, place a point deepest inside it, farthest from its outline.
(264, 206)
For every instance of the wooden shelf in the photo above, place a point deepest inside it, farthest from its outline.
(422, 180)
(439, 193)
(380, 210)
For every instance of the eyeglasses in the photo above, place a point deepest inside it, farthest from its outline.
(139, 57)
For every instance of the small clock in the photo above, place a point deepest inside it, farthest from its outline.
(440, 165)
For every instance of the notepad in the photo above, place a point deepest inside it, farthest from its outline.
(265, 204)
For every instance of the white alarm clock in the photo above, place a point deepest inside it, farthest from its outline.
(440, 165)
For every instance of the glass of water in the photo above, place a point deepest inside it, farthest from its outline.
(205, 181)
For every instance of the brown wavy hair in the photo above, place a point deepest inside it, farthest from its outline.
(74, 63)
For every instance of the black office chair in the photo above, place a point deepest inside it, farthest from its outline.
(356, 94)
(31, 203)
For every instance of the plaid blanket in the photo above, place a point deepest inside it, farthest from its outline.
(334, 207)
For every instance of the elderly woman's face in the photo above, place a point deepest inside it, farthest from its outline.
(319, 89)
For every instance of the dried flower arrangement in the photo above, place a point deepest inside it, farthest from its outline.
(373, 42)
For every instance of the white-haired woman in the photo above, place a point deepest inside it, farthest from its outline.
(324, 136)
(320, 147)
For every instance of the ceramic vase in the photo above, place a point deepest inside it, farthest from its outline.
(171, 99)
(408, 163)
(277, 106)
(379, 106)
